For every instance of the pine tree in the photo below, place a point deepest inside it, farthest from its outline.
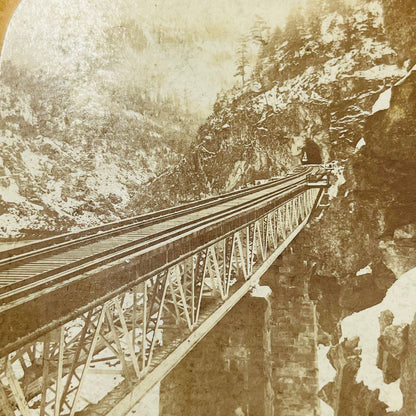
(314, 13)
(242, 60)
(275, 40)
(295, 27)
(260, 31)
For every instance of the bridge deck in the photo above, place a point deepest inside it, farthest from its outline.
(15, 274)
(44, 286)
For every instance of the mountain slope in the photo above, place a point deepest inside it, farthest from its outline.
(66, 166)
(314, 85)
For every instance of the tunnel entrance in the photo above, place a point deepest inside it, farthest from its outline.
(311, 154)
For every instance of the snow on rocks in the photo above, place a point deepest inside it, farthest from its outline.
(33, 162)
(326, 371)
(383, 102)
(326, 410)
(261, 291)
(365, 270)
(11, 223)
(11, 193)
(361, 143)
(405, 232)
(331, 30)
(400, 300)
(326, 374)
(380, 72)
(333, 189)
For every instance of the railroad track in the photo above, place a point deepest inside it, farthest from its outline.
(45, 284)
(38, 266)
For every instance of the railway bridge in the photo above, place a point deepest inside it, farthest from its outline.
(122, 304)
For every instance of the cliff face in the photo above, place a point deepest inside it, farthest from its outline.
(338, 87)
(367, 240)
(370, 226)
(314, 84)
(334, 84)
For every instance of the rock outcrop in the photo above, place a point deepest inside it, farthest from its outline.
(367, 239)
(392, 344)
(408, 374)
(344, 394)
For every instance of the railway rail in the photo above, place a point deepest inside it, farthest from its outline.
(23, 264)
(49, 280)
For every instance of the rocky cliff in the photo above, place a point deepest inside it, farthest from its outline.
(366, 241)
(314, 84)
(380, 182)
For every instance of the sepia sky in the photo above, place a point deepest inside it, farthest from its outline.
(236, 15)
(63, 36)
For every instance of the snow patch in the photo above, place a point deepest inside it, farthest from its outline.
(11, 193)
(383, 102)
(379, 72)
(261, 292)
(11, 224)
(361, 143)
(400, 300)
(326, 410)
(374, 49)
(365, 270)
(106, 180)
(331, 30)
(333, 68)
(326, 371)
(32, 162)
(333, 189)
(85, 220)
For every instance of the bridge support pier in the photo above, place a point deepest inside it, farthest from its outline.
(260, 360)
(293, 338)
(225, 373)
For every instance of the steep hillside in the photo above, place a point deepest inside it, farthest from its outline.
(366, 241)
(314, 83)
(64, 165)
(80, 149)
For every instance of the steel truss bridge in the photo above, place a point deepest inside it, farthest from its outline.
(118, 306)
